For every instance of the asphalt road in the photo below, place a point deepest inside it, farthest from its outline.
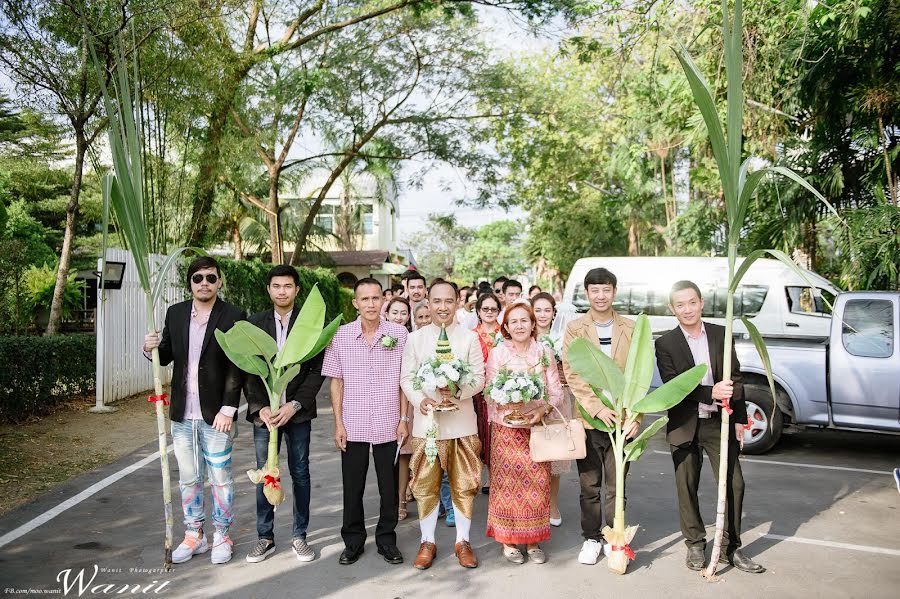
(821, 513)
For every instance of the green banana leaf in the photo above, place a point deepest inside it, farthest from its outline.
(305, 333)
(639, 368)
(286, 377)
(324, 338)
(671, 393)
(635, 449)
(245, 338)
(595, 422)
(595, 367)
(602, 397)
(249, 363)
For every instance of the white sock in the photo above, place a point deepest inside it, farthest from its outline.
(428, 525)
(463, 525)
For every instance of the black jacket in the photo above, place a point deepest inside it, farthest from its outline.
(673, 356)
(303, 388)
(219, 380)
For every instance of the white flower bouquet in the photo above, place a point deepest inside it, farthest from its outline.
(510, 387)
(553, 345)
(515, 389)
(436, 374)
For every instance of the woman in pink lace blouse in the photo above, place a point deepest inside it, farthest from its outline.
(516, 514)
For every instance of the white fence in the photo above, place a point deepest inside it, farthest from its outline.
(122, 369)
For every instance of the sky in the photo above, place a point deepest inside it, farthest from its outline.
(445, 185)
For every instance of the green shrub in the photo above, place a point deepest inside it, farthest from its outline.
(245, 286)
(41, 372)
(40, 283)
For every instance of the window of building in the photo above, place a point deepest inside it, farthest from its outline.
(368, 219)
(325, 218)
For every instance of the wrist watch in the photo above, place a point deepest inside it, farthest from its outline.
(297, 406)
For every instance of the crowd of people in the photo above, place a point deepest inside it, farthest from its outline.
(380, 409)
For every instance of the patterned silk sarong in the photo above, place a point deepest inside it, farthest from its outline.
(459, 458)
(519, 503)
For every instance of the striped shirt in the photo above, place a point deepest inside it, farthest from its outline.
(604, 333)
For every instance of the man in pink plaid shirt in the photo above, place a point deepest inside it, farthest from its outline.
(363, 362)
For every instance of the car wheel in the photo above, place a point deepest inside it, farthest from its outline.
(765, 420)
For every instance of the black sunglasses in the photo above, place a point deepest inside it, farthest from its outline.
(210, 278)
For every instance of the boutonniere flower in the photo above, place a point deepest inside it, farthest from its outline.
(498, 338)
(389, 342)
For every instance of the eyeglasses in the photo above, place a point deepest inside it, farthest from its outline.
(490, 310)
(210, 278)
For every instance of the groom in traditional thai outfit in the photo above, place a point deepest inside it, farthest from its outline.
(457, 440)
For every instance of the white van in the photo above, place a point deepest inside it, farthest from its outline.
(779, 301)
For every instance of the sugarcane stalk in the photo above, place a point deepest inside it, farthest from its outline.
(725, 432)
(161, 437)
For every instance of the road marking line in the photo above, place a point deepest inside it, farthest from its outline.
(800, 465)
(834, 544)
(76, 499)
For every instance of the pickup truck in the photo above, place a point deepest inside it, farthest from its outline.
(850, 381)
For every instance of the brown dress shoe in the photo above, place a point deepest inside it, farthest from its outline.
(425, 556)
(465, 555)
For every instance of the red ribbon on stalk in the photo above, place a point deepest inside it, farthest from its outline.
(626, 548)
(726, 405)
(269, 480)
(161, 397)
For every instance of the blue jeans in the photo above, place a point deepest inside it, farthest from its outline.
(446, 498)
(298, 465)
(200, 450)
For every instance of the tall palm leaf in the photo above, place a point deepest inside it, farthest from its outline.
(739, 186)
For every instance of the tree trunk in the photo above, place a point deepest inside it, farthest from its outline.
(65, 255)
(208, 168)
(274, 217)
(237, 242)
(892, 184)
(632, 239)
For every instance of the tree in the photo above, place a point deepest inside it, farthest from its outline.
(495, 251)
(440, 247)
(47, 57)
(231, 43)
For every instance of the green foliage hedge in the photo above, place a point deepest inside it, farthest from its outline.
(245, 286)
(41, 372)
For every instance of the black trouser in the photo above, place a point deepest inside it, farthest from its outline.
(688, 460)
(599, 462)
(354, 467)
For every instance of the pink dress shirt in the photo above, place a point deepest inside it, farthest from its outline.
(371, 377)
(700, 351)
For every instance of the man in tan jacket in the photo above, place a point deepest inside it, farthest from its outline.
(611, 333)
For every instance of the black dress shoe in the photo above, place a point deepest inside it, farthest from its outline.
(696, 557)
(350, 556)
(741, 562)
(391, 554)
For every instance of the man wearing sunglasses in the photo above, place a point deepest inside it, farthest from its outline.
(206, 389)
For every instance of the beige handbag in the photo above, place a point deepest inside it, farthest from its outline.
(557, 440)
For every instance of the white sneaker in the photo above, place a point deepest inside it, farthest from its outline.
(194, 543)
(590, 552)
(221, 551)
(555, 521)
